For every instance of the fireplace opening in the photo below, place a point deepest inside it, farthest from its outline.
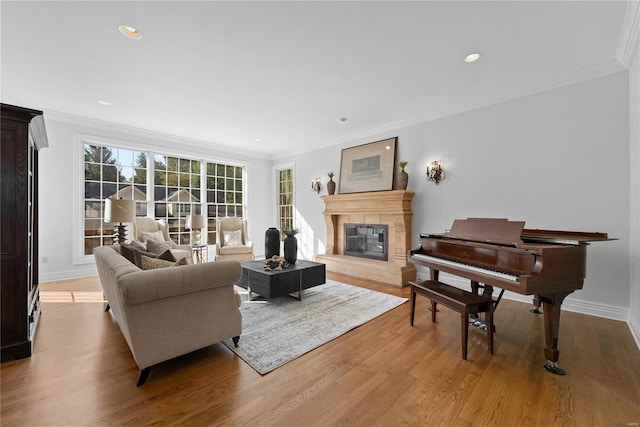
(366, 240)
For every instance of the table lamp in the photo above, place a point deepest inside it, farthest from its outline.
(119, 210)
(195, 223)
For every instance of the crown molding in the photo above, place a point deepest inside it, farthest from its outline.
(554, 82)
(629, 39)
(146, 135)
(551, 83)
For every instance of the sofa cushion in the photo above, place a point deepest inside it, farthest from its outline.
(235, 249)
(166, 255)
(149, 263)
(232, 237)
(128, 250)
(181, 253)
(155, 235)
(157, 247)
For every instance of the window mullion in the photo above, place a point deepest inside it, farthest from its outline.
(204, 199)
(150, 183)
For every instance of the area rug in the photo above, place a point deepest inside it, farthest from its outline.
(276, 331)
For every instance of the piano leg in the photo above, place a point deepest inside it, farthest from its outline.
(475, 287)
(552, 303)
(536, 306)
(474, 319)
(485, 291)
(433, 275)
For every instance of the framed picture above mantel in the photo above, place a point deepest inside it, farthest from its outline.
(368, 167)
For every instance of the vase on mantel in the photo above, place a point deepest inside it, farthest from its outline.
(403, 177)
(331, 185)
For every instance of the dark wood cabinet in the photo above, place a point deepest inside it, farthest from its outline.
(23, 135)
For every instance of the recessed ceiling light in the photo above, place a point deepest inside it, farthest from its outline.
(102, 102)
(472, 57)
(257, 140)
(130, 32)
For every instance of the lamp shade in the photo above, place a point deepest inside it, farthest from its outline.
(195, 222)
(118, 210)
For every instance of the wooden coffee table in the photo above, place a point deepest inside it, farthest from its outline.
(271, 284)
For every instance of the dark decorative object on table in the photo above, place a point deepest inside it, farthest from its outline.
(275, 263)
(271, 242)
(290, 245)
(403, 177)
(331, 184)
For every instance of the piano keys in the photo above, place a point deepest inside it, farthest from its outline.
(497, 252)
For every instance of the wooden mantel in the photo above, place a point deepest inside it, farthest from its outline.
(392, 208)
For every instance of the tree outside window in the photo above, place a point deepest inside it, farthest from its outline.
(175, 183)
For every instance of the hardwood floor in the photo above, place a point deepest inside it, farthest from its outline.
(382, 373)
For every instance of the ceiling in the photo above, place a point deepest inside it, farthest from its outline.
(275, 77)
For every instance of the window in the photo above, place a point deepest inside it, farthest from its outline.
(110, 172)
(176, 193)
(170, 189)
(285, 199)
(224, 194)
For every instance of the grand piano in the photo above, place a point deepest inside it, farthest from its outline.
(497, 252)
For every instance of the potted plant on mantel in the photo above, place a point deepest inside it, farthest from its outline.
(403, 177)
(331, 185)
(290, 245)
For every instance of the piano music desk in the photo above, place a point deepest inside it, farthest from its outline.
(459, 300)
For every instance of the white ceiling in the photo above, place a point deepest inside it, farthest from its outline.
(228, 73)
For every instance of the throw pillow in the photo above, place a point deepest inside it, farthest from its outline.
(157, 247)
(166, 255)
(232, 237)
(149, 263)
(156, 235)
(128, 250)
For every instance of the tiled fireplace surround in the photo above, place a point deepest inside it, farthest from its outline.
(392, 208)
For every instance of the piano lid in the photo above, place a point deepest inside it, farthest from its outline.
(501, 231)
(564, 237)
(487, 230)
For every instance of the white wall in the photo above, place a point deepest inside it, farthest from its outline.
(557, 159)
(634, 194)
(59, 187)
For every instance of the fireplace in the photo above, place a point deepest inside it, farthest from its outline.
(369, 213)
(366, 240)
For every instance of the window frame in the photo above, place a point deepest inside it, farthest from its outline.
(176, 221)
(213, 204)
(80, 139)
(276, 191)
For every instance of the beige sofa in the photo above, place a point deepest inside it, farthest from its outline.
(171, 311)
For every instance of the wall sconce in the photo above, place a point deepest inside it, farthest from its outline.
(316, 185)
(435, 172)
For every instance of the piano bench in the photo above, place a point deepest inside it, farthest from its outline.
(457, 299)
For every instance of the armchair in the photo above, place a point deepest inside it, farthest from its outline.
(142, 225)
(232, 240)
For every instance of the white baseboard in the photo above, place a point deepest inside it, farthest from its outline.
(633, 322)
(570, 304)
(89, 271)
